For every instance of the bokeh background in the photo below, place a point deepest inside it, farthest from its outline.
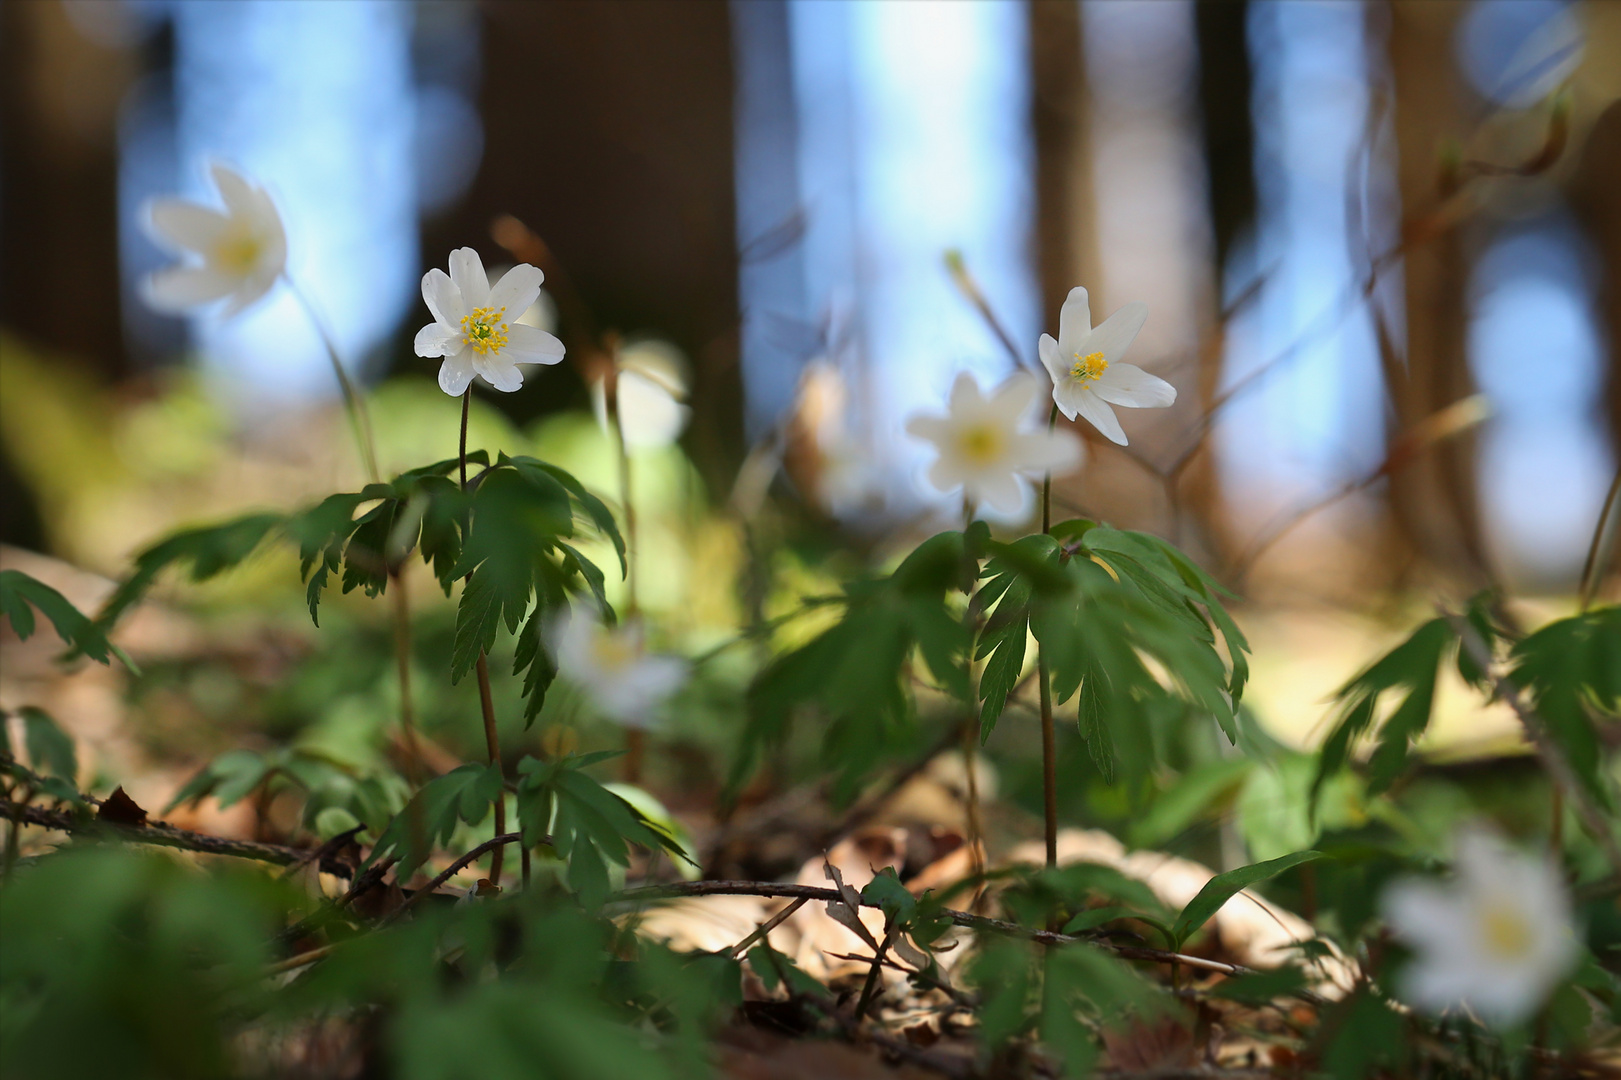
(1380, 241)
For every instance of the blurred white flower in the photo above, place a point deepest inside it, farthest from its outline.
(476, 327)
(982, 449)
(651, 387)
(1086, 370)
(611, 664)
(243, 247)
(1496, 939)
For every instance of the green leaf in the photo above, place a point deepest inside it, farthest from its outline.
(49, 747)
(429, 820)
(208, 551)
(1570, 669)
(20, 594)
(1223, 887)
(773, 969)
(1413, 665)
(895, 900)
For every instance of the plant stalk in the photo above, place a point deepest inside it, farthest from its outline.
(1603, 539)
(492, 740)
(1049, 740)
(635, 740)
(352, 401)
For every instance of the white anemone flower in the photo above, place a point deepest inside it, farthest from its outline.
(243, 247)
(475, 325)
(1085, 366)
(611, 664)
(982, 448)
(1495, 940)
(649, 392)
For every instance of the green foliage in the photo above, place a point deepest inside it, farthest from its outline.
(854, 675)
(49, 747)
(523, 510)
(1223, 887)
(1570, 669)
(1100, 600)
(507, 535)
(1411, 667)
(20, 594)
(588, 824)
(127, 964)
(462, 795)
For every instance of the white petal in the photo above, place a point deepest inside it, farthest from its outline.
(1098, 413)
(1052, 359)
(649, 416)
(1044, 451)
(1116, 333)
(965, 394)
(944, 476)
(517, 289)
(467, 271)
(1131, 386)
(1011, 400)
(929, 426)
(248, 292)
(1074, 324)
(181, 288)
(498, 371)
(456, 373)
(437, 339)
(184, 226)
(530, 345)
(444, 300)
(1001, 491)
(235, 189)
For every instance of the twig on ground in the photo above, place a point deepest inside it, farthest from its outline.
(769, 925)
(965, 919)
(158, 834)
(492, 844)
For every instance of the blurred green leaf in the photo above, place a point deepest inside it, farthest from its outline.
(20, 593)
(1223, 887)
(49, 747)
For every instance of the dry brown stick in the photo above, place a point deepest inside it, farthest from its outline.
(495, 843)
(965, 919)
(159, 835)
(1552, 757)
(769, 925)
(870, 987)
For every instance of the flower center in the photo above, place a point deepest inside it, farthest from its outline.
(1506, 932)
(238, 254)
(611, 651)
(981, 444)
(485, 330)
(1088, 368)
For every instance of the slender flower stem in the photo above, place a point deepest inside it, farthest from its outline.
(1049, 741)
(970, 731)
(492, 741)
(635, 741)
(352, 401)
(1593, 568)
(416, 770)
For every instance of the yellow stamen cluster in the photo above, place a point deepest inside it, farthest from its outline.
(485, 330)
(981, 444)
(238, 254)
(1089, 367)
(612, 652)
(1507, 934)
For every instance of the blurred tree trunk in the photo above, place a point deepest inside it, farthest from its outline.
(1596, 193)
(1066, 243)
(608, 131)
(1433, 500)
